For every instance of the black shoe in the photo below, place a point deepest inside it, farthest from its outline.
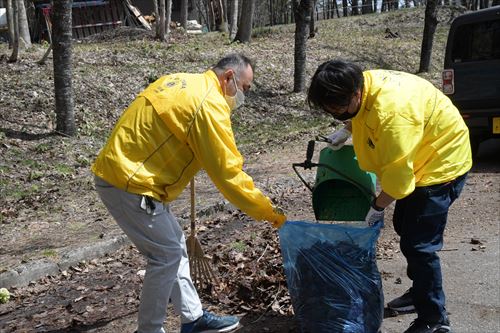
(422, 327)
(403, 303)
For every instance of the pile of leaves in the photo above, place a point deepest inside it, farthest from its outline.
(250, 270)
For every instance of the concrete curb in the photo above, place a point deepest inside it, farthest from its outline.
(22, 275)
(32, 271)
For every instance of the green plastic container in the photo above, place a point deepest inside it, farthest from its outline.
(337, 198)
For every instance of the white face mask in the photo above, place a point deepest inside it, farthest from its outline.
(237, 100)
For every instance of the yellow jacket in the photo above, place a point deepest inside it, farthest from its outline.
(177, 125)
(408, 133)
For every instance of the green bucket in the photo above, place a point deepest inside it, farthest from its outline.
(344, 195)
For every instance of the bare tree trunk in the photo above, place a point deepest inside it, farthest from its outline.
(24, 31)
(302, 13)
(193, 14)
(161, 29)
(244, 34)
(10, 22)
(234, 19)
(345, 8)
(61, 37)
(168, 18)
(184, 13)
(430, 24)
(312, 22)
(210, 15)
(157, 18)
(355, 7)
(15, 28)
(336, 7)
(271, 13)
(367, 7)
(223, 27)
(49, 49)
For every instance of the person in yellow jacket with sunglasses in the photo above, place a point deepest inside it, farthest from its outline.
(175, 127)
(413, 138)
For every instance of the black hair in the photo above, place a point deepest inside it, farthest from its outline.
(334, 84)
(235, 61)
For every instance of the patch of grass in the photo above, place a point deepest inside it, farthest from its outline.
(262, 32)
(152, 77)
(76, 226)
(42, 148)
(50, 253)
(30, 163)
(18, 193)
(64, 169)
(16, 153)
(35, 175)
(150, 48)
(238, 246)
(83, 161)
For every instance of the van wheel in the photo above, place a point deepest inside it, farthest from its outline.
(475, 141)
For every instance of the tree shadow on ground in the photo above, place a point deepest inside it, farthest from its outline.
(377, 60)
(77, 327)
(272, 323)
(487, 158)
(26, 136)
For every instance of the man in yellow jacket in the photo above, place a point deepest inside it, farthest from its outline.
(412, 137)
(176, 126)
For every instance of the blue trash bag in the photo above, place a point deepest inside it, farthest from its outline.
(332, 276)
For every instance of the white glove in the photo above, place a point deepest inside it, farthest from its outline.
(338, 138)
(374, 216)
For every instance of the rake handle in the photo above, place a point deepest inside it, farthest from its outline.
(193, 211)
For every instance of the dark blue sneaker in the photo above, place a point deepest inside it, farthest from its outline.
(403, 303)
(210, 323)
(418, 326)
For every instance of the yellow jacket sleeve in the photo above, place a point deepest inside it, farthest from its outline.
(212, 142)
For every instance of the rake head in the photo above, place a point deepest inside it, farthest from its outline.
(199, 264)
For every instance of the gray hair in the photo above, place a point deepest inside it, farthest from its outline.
(235, 61)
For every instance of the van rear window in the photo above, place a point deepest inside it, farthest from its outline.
(477, 42)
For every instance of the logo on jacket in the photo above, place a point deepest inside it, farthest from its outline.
(370, 143)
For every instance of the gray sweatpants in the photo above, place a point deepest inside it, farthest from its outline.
(161, 240)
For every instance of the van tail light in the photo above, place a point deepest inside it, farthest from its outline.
(448, 81)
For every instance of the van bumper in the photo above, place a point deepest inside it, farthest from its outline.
(482, 123)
